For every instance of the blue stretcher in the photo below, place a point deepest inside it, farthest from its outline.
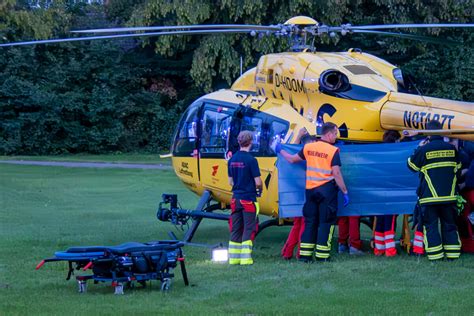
(124, 264)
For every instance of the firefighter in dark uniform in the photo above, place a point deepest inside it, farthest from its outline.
(438, 163)
(323, 177)
(244, 177)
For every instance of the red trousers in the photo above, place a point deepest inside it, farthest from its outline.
(243, 223)
(465, 227)
(294, 238)
(349, 231)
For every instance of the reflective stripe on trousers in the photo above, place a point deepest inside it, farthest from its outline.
(418, 243)
(323, 250)
(433, 252)
(307, 250)
(379, 240)
(235, 249)
(390, 249)
(246, 253)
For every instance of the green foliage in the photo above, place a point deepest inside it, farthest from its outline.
(82, 98)
(127, 95)
(87, 97)
(216, 58)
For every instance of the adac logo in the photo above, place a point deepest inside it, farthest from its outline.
(214, 170)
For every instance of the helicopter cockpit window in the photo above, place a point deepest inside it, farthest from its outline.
(253, 124)
(215, 130)
(186, 135)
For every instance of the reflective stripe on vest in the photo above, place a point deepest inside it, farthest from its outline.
(318, 156)
(435, 197)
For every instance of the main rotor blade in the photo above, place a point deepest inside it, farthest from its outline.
(410, 36)
(91, 38)
(182, 27)
(398, 26)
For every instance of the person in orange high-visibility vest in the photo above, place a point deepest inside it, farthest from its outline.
(294, 237)
(323, 177)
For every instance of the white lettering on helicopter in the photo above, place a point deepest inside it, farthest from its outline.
(290, 84)
(419, 119)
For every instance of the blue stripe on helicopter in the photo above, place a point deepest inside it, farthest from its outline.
(376, 176)
(358, 93)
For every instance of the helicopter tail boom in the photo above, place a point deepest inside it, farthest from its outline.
(411, 112)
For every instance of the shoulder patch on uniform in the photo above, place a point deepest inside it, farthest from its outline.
(440, 154)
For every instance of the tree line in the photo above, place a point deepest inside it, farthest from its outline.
(127, 95)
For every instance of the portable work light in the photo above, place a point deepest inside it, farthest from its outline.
(220, 255)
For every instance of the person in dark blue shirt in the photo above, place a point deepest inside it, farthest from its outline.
(244, 177)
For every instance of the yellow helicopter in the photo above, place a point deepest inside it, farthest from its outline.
(363, 94)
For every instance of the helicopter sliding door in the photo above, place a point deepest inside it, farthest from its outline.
(265, 128)
(220, 124)
(185, 148)
(215, 127)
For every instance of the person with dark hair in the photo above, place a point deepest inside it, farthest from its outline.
(391, 136)
(304, 137)
(438, 164)
(323, 177)
(244, 177)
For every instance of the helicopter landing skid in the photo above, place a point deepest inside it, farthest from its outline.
(168, 211)
(269, 223)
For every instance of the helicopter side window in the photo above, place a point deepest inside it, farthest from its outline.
(186, 135)
(215, 129)
(278, 131)
(253, 124)
(265, 128)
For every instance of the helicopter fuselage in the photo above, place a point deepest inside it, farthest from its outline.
(285, 92)
(363, 94)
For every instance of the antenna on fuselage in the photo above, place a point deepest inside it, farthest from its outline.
(241, 64)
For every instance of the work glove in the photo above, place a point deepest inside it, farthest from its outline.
(278, 148)
(276, 145)
(346, 199)
(460, 201)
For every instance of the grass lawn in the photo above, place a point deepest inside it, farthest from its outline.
(46, 209)
(116, 158)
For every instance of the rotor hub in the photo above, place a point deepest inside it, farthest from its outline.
(301, 20)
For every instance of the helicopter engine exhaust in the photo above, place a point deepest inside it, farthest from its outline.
(332, 81)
